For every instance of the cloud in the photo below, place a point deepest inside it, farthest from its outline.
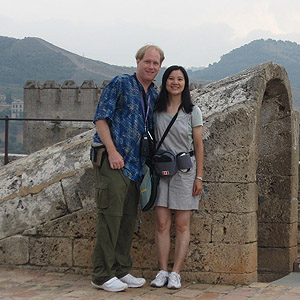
(192, 33)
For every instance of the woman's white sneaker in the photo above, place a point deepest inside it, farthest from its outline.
(174, 281)
(161, 279)
(111, 285)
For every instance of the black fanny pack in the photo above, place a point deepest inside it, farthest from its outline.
(166, 163)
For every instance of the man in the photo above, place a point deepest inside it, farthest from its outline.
(122, 116)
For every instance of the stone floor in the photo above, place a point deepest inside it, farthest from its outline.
(38, 285)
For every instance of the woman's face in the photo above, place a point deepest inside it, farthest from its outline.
(175, 82)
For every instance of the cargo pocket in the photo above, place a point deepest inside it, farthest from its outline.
(101, 196)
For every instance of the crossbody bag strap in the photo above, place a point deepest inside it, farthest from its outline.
(168, 129)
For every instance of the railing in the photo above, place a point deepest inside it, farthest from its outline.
(7, 119)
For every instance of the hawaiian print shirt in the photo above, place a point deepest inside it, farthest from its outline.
(121, 104)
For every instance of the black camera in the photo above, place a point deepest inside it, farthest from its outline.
(147, 144)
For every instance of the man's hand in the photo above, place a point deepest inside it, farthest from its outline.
(114, 157)
(115, 160)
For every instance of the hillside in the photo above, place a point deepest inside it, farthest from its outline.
(36, 59)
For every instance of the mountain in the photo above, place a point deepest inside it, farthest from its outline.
(284, 53)
(35, 59)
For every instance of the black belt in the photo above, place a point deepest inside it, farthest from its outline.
(191, 153)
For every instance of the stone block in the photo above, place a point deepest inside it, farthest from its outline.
(277, 210)
(270, 276)
(80, 224)
(82, 252)
(237, 166)
(144, 254)
(274, 137)
(79, 190)
(234, 228)
(21, 213)
(277, 187)
(222, 258)
(201, 227)
(281, 235)
(230, 130)
(55, 252)
(229, 197)
(278, 164)
(54, 163)
(276, 260)
(14, 250)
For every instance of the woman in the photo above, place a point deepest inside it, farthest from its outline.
(181, 191)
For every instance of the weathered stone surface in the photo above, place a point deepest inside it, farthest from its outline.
(82, 252)
(14, 250)
(277, 210)
(277, 235)
(276, 259)
(80, 224)
(31, 189)
(235, 166)
(21, 213)
(201, 227)
(234, 228)
(220, 257)
(144, 254)
(50, 251)
(79, 190)
(277, 188)
(229, 197)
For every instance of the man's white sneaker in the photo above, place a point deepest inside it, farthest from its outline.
(132, 281)
(174, 281)
(161, 279)
(111, 285)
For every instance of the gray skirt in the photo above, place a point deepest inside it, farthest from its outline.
(176, 192)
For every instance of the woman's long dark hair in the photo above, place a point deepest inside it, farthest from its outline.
(162, 99)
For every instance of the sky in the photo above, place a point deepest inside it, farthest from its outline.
(192, 33)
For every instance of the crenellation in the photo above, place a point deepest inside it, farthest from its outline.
(50, 100)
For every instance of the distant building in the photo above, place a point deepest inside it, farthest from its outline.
(17, 108)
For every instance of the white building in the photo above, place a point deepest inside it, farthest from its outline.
(17, 107)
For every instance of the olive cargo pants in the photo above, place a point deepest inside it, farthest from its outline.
(117, 199)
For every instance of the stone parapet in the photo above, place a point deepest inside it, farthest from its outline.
(246, 225)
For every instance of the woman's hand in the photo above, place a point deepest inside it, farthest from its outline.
(197, 188)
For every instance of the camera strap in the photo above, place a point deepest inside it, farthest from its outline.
(168, 128)
(145, 109)
(145, 103)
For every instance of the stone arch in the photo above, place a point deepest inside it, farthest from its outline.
(277, 188)
(251, 175)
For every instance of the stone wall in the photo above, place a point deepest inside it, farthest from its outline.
(246, 226)
(50, 100)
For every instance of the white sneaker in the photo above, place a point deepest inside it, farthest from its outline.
(132, 281)
(174, 281)
(111, 285)
(161, 279)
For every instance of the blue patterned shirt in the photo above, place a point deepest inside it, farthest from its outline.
(121, 105)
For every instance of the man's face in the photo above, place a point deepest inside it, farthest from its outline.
(148, 66)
